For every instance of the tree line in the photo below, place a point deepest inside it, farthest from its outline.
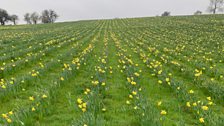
(214, 7)
(5, 17)
(46, 16)
(50, 16)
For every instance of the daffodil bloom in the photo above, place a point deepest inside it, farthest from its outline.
(159, 72)
(83, 109)
(4, 115)
(88, 90)
(34, 74)
(188, 104)
(133, 83)
(194, 104)
(134, 92)
(205, 108)
(201, 120)
(103, 109)
(210, 103)
(33, 109)
(103, 61)
(3, 86)
(191, 92)
(80, 106)
(198, 73)
(9, 120)
(44, 96)
(137, 74)
(103, 84)
(128, 102)
(209, 98)
(84, 105)
(62, 79)
(160, 82)
(11, 112)
(130, 96)
(95, 82)
(79, 100)
(31, 98)
(159, 103)
(163, 112)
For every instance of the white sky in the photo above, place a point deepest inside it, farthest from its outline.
(71, 10)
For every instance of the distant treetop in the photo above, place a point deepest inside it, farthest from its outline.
(5, 17)
(166, 13)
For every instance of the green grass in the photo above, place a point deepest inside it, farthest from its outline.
(68, 58)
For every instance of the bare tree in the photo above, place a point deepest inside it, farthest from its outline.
(34, 17)
(215, 5)
(27, 18)
(45, 17)
(197, 12)
(166, 13)
(53, 16)
(4, 16)
(49, 16)
(14, 18)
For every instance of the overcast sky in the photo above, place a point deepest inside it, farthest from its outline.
(71, 10)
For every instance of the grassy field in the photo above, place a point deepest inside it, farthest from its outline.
(162, 71)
